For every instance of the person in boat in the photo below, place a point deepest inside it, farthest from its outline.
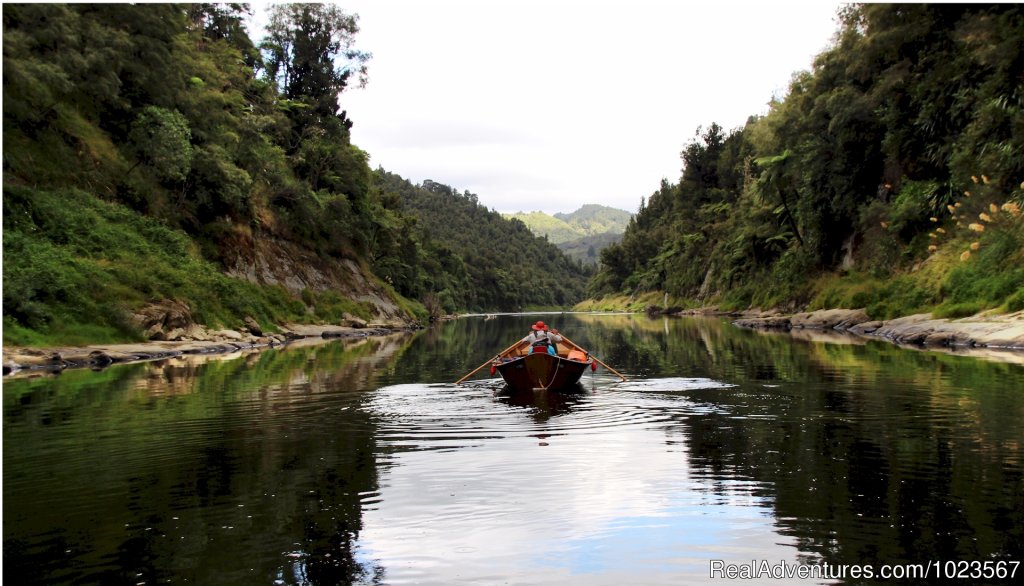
(542, 339)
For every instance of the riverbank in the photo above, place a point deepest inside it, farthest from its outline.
(985, 330)
(999, 332)
(56, 359)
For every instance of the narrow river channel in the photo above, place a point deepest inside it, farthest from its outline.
(358, 461)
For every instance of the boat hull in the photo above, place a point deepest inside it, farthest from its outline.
(542, 371)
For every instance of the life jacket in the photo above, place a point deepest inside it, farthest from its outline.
(540, 340)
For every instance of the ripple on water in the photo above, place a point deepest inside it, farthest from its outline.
(672, 385)
(415, 417)
(549, 476)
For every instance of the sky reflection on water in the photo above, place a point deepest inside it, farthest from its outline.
(597, 494)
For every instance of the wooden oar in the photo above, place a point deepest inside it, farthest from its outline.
(617, 373)
(489, 360)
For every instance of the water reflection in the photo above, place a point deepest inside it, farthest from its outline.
(543, 404)
(360, 461)
(541, 490)
(210, 471)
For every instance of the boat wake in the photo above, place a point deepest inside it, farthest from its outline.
(672, 385)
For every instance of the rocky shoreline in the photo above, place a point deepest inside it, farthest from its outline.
(170, 330)
(996, 331)
(17, 359)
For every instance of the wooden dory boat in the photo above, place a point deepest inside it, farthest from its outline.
(540, 370)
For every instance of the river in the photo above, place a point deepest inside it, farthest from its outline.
(358, 461)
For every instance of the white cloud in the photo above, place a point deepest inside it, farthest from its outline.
(555, 104)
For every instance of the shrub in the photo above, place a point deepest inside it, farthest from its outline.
(74, 266)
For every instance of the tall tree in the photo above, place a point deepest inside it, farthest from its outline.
(310, 53)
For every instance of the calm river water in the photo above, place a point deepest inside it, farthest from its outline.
(360, 462)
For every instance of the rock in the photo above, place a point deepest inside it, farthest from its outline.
(29, 358)
(155, 332)
(198, 333)
(778, 322)
(866, 327)
(176, 334)
(190, 334)
(937, 339)
(100, 358)
(168, 313)
(229, 335)
(253, 326)
(756, 313)
(351, 321)
(839, 319)
(162, 316)
(914, 337)
(852, 319)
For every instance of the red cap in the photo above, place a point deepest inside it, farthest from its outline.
(539, 326)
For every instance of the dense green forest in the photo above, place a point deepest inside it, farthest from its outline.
(146, 144)
(889, 177)
(588, 249)
(474, 258)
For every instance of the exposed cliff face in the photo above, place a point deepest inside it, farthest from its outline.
(269, 260)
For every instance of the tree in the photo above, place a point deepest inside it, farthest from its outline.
(304, 46)
(225, 22)
(775, 180)
(162, 138)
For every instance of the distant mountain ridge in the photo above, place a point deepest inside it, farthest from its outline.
(589, 220)
(596, 219)
(555, 229)
(581, 234)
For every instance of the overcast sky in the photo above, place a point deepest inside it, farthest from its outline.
(551, 105)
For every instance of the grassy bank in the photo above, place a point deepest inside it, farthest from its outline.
(965, 290)
(635, 303)
(974, 262)
(74, 266)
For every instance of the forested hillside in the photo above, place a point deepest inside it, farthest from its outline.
(474, 258)
(888, 178)
(593, 219)
(156, 151)
(589, 220)
(582, 234)
(554, 229)
(587, 250)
